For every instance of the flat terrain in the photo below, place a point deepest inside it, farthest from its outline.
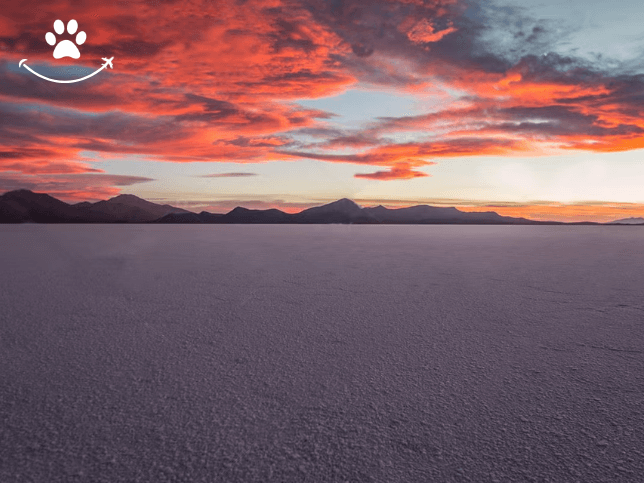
(241, 353)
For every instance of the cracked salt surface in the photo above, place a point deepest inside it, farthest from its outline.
(224, 353)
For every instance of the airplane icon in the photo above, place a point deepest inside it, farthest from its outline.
(106, 60)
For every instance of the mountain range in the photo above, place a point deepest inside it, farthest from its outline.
(628, 221)
(24, 206)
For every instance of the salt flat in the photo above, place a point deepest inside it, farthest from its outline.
(240, 353)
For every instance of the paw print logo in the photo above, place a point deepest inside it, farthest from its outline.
(66, 48)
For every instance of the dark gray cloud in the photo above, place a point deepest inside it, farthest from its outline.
(66, 182)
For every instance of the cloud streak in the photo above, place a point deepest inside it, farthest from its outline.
(74, 187)
(228, 175)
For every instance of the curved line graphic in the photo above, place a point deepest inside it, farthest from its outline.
(62, 81)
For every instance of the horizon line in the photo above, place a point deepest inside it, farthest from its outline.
(481, 207)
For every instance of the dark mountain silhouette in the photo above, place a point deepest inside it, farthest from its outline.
(206, 217)
(341, 211)
(237, 215)
(83, 204)
(424, 214)
(179, 218)
(412, 213)
(244, 215)
(23, 206)
(627, 221)
(129, 209)
(26, 206)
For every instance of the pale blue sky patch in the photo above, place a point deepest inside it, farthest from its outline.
(612, 29)
(356, 106)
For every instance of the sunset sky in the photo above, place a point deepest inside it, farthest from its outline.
(528, 108)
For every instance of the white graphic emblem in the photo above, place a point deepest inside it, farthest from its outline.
(67, 48)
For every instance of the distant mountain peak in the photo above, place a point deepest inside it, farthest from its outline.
(344, 205)
(22, 190)
(23, 205)
(629, 221)
(239, 209)
(30, 195)
(125, 198)
(22, 193)
(340, 211)
(345, 202)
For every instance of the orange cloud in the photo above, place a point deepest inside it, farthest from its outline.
(399, 171)
(71, 187)
(597, 212)
(422, 31)
(219, 81)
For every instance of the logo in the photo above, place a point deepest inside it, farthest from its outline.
(67, 48)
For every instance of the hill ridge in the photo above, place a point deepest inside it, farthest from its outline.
(24, 205)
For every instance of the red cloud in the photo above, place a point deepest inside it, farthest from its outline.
(422, 31)
(72, 187)
(397, 172)
(220, 81)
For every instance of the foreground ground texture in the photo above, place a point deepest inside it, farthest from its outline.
(321, 353)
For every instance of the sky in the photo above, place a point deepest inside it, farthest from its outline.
(527, 108)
